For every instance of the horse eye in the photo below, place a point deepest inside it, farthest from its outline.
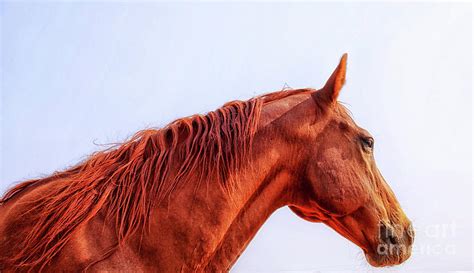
(368, 142)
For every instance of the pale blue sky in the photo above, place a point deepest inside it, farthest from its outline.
(75, 74)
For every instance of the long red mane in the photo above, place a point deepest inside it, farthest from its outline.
(127, 180)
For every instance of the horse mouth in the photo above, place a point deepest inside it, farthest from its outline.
(388, 255)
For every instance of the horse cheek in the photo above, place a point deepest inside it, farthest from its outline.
(336, 182)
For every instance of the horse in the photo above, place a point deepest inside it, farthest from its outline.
(189, 197)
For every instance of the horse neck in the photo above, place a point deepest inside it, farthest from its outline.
(213, 228)
(269, 194)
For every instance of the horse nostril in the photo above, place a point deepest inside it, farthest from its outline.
(387, 235)
(393, 239)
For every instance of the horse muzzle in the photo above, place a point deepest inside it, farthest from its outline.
(394, 245)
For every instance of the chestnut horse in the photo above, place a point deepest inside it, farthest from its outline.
(189, 197)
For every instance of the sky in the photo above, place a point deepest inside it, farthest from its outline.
(77, 75)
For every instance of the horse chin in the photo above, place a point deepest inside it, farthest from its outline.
(383, 260)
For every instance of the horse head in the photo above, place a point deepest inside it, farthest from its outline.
(339, 183)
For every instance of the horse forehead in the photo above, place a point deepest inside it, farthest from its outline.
(342, 112)
(342, 117)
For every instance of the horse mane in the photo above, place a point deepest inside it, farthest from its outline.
(127, 180)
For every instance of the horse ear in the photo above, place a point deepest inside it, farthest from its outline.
(333, 86)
